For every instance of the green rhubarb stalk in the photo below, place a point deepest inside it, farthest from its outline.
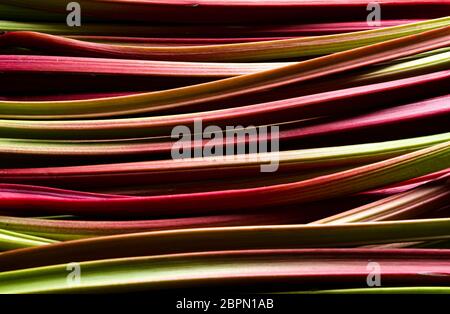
(434, 62)
(422, 55)
(228, 238)
(10, 240)
(258, 269)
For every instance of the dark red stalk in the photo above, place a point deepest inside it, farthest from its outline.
(435, 107)
(93, 66)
